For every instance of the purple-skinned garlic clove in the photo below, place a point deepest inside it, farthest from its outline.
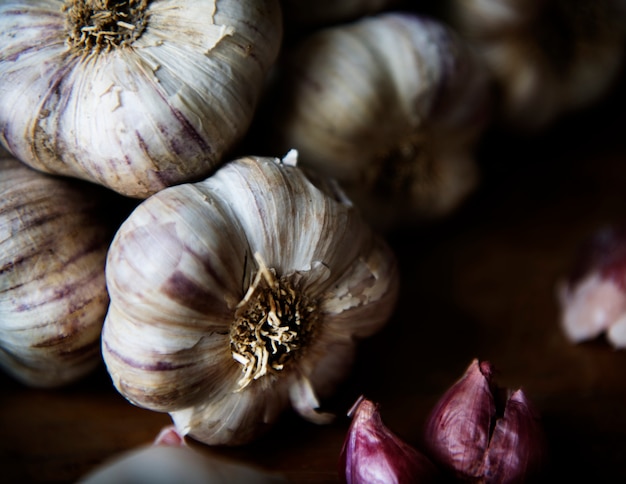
(478, 433)
(373, 454)
(592, 297)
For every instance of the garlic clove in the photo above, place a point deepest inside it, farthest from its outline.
(373, 454)
(54, 237)
(236, 296)
(592, 296)
(475, 434)
(170, 436)
(135, 96)
(516, 449)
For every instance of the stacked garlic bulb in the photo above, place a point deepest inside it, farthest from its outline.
(234, 296)
(134, 95)
(391, 106)
(53, 244)
(548, 58)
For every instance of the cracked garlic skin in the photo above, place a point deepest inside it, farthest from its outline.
(133, 95)
(53, 243)
(592, 297)
(548, 58)
(479, 433)
(233, 297)
(391, 106)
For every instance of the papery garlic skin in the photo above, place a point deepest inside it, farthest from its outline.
(469, 435)
(592, 296)
(390, 105)
(373, 454)
(189, 269)
(53, 243)
(548, 58)
(159, 109)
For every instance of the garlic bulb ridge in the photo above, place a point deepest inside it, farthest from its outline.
(234, 296)
(133, 95)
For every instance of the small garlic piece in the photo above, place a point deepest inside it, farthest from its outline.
(391, 106)
(232, 296)
(548, 58)
(53, 243)
(479, 436)
(373, 454)
(135, 95)
(592, 298)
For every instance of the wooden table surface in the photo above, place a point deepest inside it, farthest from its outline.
(480, 283)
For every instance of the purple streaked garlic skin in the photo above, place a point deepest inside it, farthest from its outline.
(592, 297)
(373, 454)
(468, 435)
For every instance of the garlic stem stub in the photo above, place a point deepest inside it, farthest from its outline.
(133, 95)
(54, 238)
(234, 296)
(391, 106)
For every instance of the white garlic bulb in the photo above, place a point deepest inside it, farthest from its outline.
(391, 106)
(53, 243)
(234, 296)
(548, 58)
(135, 95)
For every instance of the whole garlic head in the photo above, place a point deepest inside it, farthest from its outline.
(53, 244)
(391, 106)
(233, 296)
(548, 58)
(134, 95)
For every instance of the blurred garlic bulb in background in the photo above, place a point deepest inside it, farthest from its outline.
(305, 13)
(391, 106)
(134, 95)
(53, 299)
(233, 296)
(592, 296)
(548, 58)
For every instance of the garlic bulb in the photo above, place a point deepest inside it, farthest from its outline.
(174, 461)
(134, 95)
(300, 13)
(53, 299)
(391, 106)
(548, 58)
(233, 296)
